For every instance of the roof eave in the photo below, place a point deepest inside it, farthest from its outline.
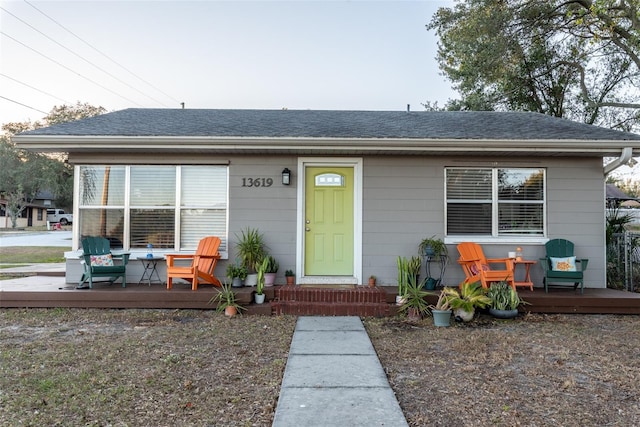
(66, 143)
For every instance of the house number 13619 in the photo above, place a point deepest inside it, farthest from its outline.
(257, 182)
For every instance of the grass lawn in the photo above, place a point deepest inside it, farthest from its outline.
(31, 254)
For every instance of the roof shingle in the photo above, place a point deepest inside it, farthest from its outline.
(451, 125)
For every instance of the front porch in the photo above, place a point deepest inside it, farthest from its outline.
(52, 291)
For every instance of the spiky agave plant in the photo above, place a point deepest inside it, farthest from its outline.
(468, 297)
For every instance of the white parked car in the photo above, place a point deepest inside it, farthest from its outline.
(58, 215)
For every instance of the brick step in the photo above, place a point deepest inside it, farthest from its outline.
(325, 301)
(356, 295)
(306, 308)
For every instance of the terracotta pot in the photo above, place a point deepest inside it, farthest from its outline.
(230, 311)
(291, 280)
(372, 283)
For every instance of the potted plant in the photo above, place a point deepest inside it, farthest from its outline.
(408, 269)
(251, 251)
(466, 299)
(413, 265)
(290, 276)
(237, 273)
(372, 281)
(225, 300)
(260, 283)
(271, 267)
(414, 304)
(403, 278)
(504, 300)
(441, 311)
(432, 247)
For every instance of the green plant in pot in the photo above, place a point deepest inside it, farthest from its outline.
(262, 268)
(432, 247)
(414, 304)
(504, 300)
(225, 301)
(413, 265)
(237, 273)
(403, 278)
(271, 267)
(441, 310)
(290, 276)
(251, 251)
(466, 299)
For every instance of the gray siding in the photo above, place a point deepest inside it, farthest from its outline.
(403, 203)
(272, 210)
(576, 199)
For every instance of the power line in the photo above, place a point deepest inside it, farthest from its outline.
(103, 54)
(82, 58)
(69, 69)
(24, 105)
(35, 88)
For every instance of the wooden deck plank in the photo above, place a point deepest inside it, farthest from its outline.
(49, 291)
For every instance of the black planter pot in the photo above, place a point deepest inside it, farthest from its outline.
(503, 314)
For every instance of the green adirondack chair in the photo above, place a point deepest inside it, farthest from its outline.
(98, 262)
(561, 266)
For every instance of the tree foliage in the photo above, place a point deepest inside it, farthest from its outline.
(578, 59)
(24, 173)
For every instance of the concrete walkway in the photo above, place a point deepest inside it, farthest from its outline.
(334, 378)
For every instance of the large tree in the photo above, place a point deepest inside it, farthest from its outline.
(23, 173)
(578, 59)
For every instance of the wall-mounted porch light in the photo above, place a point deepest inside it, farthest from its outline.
(286, 176)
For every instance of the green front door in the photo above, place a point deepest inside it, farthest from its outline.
(328, 221)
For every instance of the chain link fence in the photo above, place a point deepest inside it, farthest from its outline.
(623, 261)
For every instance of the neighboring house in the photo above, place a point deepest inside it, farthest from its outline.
(34, 214)
(615, 196)
(621, 204)
(44, 198)
(365, 186)
(31, 216)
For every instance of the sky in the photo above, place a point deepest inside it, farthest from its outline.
(297, 54)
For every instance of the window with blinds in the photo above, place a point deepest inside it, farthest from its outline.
(171, 207)
(495, 202)
(203, 205)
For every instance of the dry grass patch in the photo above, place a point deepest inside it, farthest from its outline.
(181, 367)
(542, 370)
(140, 367)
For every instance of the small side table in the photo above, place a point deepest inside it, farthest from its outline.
(150, 268)
(527, 277)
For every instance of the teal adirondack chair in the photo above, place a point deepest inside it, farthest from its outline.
(567, 269)
(98, 262)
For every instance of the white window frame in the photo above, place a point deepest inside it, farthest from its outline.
(495, 236)
(127, 209)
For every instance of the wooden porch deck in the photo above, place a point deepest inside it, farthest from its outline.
(52, 291)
